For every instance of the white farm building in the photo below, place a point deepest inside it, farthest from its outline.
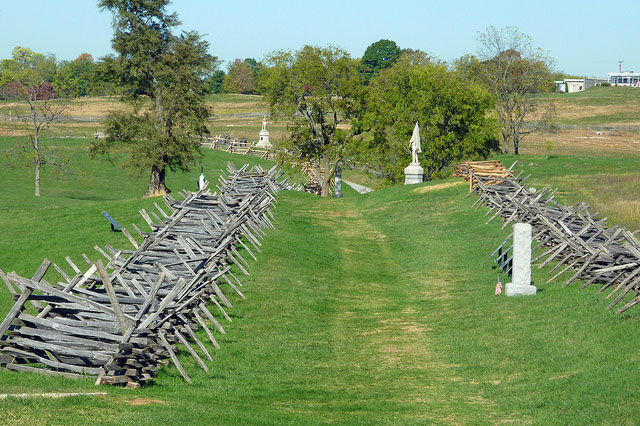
(625, 78)
(572, 85)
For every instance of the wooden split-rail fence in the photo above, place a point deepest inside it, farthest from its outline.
(124, 316)
(580, 243)
(239, 146)
(244, 147)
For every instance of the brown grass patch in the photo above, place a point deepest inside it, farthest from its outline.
(574, 111)
(582, 142)
(144, 401)
(436, 187)
(348, 213)
(368, 235)
(563, 376)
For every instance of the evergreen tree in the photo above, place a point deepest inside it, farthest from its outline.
(163, 79)
(379, 55)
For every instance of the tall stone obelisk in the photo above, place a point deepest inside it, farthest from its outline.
(521, 270)
(414, 173)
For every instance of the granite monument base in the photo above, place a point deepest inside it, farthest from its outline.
(413, 173)
(512, 289)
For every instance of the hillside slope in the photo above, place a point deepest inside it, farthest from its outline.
(380, 309)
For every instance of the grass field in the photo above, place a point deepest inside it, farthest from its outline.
(69, 210)
(598, 105)
(611, 185)
(608, 106)
(373, 309)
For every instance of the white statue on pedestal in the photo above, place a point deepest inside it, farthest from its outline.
(264, 136)
(415, 145)
(414, 173)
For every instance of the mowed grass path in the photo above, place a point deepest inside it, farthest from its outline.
(379, 309)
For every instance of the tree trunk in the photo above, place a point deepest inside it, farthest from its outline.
(36, 147)
(337, 193)
(156, 182)
(505, 139)
(38, 164)
(326, 178)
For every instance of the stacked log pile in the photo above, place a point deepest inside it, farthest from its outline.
(579, 242)
(469, 169)
(121, 321)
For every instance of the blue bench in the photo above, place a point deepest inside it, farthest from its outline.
(115, 226)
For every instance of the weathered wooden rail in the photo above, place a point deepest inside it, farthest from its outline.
(123, 317)
(239, 146)
(244, 147)
(580, 243)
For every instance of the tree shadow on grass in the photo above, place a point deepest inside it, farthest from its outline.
(84, 197)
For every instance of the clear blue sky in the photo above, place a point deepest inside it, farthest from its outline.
(584, 37)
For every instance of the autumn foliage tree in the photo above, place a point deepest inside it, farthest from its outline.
(240, 78)
(75, 77)
(27, 77)
(514, 71)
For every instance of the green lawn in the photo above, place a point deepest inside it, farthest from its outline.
(67, 219)
(372, 309)
(610, 185)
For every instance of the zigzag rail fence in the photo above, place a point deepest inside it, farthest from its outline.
(580, 243)
(121, 322)
(244, 147)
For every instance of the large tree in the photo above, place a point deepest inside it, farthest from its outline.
(318, 90)
(74, 78)
(240, 78)
(216, 81)
(28, 77)
(163, 78)
(514, 71)
(378, 56)
(453, 116)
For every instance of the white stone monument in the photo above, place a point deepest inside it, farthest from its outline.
(414, 173)
(201, 180)
(521, 270)
(264, 136)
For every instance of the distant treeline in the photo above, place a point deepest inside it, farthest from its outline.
(87, 76)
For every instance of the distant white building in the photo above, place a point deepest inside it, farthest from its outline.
(572, 85)
(625, 78)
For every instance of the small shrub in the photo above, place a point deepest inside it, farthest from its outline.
(548, 147)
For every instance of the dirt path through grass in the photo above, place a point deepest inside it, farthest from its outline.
(385, 359)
